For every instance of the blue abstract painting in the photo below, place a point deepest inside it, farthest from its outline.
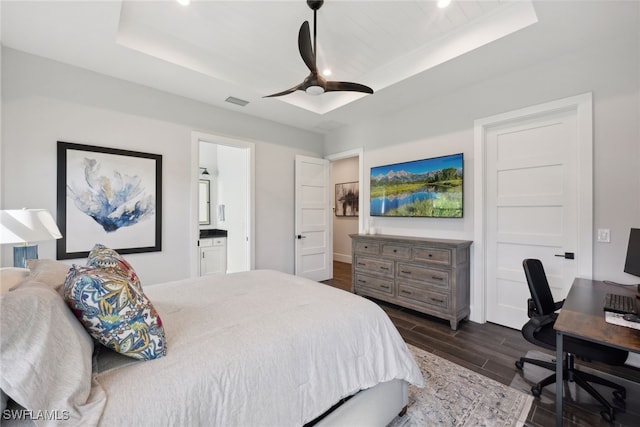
(114, 201)
(110, 196)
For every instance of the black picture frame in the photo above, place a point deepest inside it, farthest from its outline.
(425, 188)
(109, 196)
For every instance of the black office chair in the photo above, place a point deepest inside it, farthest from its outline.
(539, 331)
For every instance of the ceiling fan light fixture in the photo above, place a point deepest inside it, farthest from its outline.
(315, 90)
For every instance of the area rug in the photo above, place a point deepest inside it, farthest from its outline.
(456, 396)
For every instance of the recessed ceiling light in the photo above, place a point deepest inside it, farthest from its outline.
(443, 3)
(184, 2)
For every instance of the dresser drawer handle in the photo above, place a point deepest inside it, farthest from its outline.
(366, 247)
(437, 278)
(430, 255)
(395, 250)
(437, 300)
(362, 263)
(384, 286)
(362, 281)
(406, 271)
(405, 292)
(384, 268)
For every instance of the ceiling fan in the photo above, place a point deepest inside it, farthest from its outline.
(314, 83)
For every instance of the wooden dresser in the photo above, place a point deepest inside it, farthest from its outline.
(426, 275)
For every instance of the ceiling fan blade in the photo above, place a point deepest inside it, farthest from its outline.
(347, 86)
(304, 45)
(286, 92)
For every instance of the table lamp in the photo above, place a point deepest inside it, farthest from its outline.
(24, 226)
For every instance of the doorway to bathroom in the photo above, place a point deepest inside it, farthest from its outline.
(227, 165)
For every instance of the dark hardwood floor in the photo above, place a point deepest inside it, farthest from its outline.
(488, 349)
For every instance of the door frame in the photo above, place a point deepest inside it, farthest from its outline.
(583, 105)
(194, 225)
(356, 152)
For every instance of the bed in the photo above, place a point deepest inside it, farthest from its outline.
(259, 348)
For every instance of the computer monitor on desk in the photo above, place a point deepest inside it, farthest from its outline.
(615, 302)
(632, 263)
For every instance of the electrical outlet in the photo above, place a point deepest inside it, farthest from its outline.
(604, 235)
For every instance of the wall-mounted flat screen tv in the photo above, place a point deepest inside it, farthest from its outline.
(419, 188)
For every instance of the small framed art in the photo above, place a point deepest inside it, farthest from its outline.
(347, 197)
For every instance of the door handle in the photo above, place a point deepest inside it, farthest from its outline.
(567, 255)
(300, 236)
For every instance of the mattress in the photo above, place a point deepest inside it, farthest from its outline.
(258, 348)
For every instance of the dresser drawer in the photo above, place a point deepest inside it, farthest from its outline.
(397, 251)
(418, 273)
(424, 296)
(433, 256)
(374, 283)
(372, 265)
(370, 248)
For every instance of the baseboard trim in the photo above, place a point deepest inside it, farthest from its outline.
(342, 258)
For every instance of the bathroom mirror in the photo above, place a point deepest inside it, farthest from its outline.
(204, 211)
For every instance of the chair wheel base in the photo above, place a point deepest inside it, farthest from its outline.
(619, 403)
(607, 415)
(536, 391)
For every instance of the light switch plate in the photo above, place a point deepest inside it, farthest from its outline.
(604, 235)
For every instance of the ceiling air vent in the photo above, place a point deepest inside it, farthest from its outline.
(237, 101)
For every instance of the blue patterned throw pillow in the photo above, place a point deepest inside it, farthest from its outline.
(115, 312)
(108, 259)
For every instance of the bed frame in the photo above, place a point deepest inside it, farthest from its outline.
(376, 406)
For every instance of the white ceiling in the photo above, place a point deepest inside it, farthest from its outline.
(210, 50)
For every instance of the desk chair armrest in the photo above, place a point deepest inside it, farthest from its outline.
(532, 310)
(535, 324)
(539, 322)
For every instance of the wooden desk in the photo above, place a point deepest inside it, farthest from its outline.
(582, 317)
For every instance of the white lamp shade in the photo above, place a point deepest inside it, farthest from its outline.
(27, 225)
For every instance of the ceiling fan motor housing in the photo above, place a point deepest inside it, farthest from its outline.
(315, 4)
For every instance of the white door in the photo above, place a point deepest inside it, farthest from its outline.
(314, 252)
(532, 205)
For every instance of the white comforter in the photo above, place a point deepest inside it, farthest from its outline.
(260, 348)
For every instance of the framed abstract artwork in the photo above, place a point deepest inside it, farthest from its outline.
(347, 197)
(108, 196)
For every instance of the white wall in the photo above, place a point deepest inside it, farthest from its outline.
(443, 124)
(343, 170)
(45, 101)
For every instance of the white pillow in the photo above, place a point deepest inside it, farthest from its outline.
(46, 356)
(51, 273)
(11, 276)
